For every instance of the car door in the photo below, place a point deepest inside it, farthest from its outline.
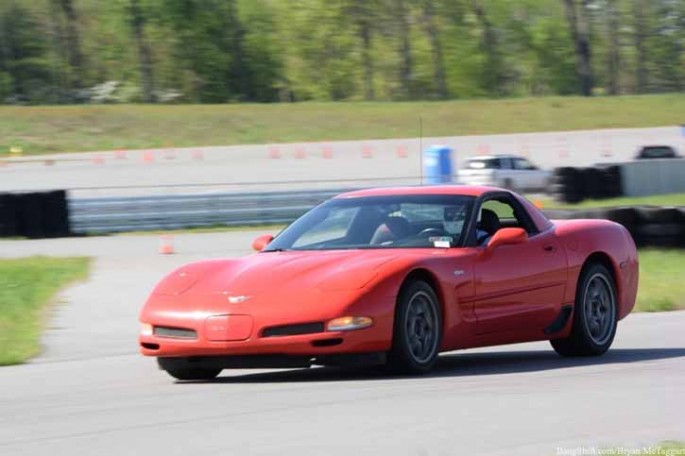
(521, 286)
(527, 175)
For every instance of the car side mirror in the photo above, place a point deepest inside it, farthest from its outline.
(507, 236)
(262, 241)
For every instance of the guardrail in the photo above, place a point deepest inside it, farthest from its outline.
(50, 214)
(141, 213)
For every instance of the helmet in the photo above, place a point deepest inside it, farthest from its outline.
(453, 219)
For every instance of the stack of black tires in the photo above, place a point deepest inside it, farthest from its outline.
(34, 215)
(648, 225)
(573, 185)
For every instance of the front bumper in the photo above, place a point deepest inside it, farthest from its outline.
(253, 329)
(363, 340)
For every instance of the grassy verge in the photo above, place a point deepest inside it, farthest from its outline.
(109, 127)
(661, 280)
(675, 199)
(27, 286)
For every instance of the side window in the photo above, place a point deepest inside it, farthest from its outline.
(501, 213)
(504, 211)
(522, 164)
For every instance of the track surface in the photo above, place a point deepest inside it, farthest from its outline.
(350, 163)
(90, 393)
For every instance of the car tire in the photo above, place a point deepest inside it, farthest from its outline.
(417, 330)
(182, 369)
(595, 315)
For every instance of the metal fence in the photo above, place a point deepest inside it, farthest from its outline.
(144, 213)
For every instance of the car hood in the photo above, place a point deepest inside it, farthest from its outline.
(279, 272)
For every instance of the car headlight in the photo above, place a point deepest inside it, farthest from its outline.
(349, 323)
(145, 329)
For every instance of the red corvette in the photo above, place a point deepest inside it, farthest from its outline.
(396, 276)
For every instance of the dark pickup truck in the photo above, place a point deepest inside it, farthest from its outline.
(651, 152)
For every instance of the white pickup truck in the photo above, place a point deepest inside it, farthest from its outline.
(507, 171)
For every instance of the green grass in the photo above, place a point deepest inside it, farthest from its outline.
(27, 287)
(110, 127)
(674, 199)
(662, 284)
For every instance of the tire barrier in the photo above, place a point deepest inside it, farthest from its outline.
(567, 186)
(8, 217)
(649, 226)
(573, 185)
(34, 215)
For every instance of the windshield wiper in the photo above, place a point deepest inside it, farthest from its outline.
(273, 250)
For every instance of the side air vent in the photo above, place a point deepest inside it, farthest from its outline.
(176, 333)
(293, 330)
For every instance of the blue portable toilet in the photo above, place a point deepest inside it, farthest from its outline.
(437, 165)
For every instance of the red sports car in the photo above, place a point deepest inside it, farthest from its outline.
(396, 276)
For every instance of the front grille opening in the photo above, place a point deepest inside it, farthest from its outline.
(176, 333)
(327, 342)
(149, 346)
(293, 330)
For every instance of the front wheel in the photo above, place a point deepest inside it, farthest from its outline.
(417, 330)
(182, 369)
(594, 315)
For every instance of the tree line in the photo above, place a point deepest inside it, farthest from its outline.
(217, 51)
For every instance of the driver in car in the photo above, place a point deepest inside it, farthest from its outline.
(453, 223)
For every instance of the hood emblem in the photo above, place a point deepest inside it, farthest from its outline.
(238, 299)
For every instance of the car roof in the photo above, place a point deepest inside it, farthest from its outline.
(464, 190)
(536, 214)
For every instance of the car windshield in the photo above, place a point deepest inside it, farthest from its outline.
(403, 221)
(658, 152)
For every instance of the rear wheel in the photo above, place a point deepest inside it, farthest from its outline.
(183, 369)
(594, 315)
(417, 330)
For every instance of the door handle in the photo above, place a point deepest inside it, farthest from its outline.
(549, 248)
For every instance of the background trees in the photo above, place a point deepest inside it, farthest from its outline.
(215, 51)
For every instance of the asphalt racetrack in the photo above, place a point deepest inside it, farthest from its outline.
(308, 165)
(90, 393)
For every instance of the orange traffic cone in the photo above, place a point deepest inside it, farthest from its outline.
(367, 152)
(149, 156)
(274, 152)
(327, 152)
(300, 153)
(166, 244)
(401, 152)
